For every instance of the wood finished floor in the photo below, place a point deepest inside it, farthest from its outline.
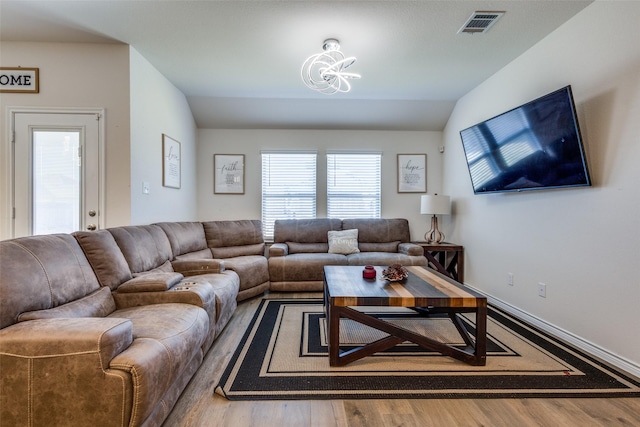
(199, 406)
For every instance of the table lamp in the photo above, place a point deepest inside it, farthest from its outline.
(434, 205)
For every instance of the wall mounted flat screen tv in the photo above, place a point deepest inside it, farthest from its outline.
(532, 147)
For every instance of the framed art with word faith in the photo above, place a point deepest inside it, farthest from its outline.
(228, 173)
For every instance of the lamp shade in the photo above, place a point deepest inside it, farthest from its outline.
(435, 205)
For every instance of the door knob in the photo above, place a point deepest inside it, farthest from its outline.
(91, 227)
(92, 213)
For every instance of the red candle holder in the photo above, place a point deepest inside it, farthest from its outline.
(369, 272)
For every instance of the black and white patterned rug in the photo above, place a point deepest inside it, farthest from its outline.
(283, 356)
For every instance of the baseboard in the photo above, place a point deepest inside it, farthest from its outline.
(600, 353)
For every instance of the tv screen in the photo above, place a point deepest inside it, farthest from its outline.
(532, 147)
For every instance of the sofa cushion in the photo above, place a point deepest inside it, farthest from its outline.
(343, 242)
(184, 237)
(384, 259)
(201, 254)
(242, 233)
(301, 248)
(105, 257)
(166, 267)
(377, 230)
(97, 304)
(379, 247)
(237, 251)
(145, 247)
(253, 270)
(42, 272)
(302, 267)
(305, 230)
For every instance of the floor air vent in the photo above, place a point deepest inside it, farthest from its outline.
(480, 22)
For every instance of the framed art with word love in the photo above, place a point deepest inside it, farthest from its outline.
(170, 162)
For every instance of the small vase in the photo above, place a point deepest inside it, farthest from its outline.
(369, 272)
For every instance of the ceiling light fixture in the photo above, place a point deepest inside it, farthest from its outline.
(326, 71)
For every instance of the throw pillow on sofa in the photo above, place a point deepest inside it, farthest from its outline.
(343, 242)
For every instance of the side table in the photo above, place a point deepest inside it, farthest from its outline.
(446, 258)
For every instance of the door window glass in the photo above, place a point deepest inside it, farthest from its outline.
(56, 182)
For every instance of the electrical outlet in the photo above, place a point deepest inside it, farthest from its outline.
(510, 279)
(145, 187)
(542, 290)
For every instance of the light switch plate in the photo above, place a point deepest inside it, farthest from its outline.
(542, 290)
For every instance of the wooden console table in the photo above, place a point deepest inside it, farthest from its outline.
(446, 258)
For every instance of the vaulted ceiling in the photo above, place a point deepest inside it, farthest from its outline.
(238, 62)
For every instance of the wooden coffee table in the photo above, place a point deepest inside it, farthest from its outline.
(425, 291)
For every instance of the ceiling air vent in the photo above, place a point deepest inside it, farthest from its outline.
(480, 22)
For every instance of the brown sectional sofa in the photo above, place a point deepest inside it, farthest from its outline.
(107, 327)
(301, 249)
(70, 356)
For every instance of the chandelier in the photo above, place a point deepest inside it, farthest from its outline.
(326, 71)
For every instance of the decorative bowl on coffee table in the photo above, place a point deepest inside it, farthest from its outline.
(395, 273)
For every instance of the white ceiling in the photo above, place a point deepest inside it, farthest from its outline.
(238, 62)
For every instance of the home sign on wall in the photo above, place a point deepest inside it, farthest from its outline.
(19, 80)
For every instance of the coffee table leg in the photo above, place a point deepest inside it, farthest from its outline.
(334, 334)
(481, 336)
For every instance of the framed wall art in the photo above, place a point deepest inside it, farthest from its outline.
(170, 162)
(412, 173)
(228, 173)
(19, 80)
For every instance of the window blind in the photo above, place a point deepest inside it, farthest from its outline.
(288, 188)
(353, 185)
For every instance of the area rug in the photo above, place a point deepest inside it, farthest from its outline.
(283, 356)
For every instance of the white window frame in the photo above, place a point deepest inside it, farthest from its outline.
(288, 187)
(354, 184)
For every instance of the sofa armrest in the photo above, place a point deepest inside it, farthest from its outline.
(198, 266)
(194, 293)
(278, 249)
(57, 372)
(151, 282)
(410, 249)
(67, 337)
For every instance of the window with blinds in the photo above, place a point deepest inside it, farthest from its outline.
(353, 185)
(288, 187)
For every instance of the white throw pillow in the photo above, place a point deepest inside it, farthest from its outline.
(343, 242)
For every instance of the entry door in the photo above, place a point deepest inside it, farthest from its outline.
(56, 172)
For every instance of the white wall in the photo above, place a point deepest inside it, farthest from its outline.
(157, 108)
(75, 75)
(251, 142)
(583, 243)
